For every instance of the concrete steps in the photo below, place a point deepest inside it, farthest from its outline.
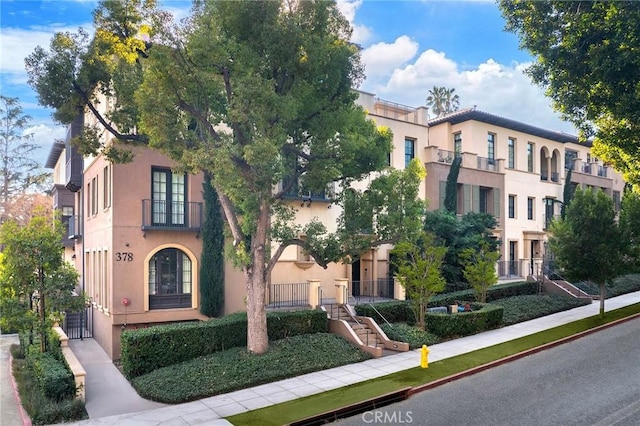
(363, 331)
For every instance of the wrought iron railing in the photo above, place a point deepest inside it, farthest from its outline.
(165, 215)
(74, 227)
(288, 295)
(372, 290)
(511, 268)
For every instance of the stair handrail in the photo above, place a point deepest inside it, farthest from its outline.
(355, 319)
(381, 316)
(549, 273)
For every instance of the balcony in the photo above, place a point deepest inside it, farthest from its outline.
(163, 215)
(447, 157)
(296, 192)
(73, 159)
(73, 227)
(485, 163)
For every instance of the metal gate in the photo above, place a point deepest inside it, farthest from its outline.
(78, 325)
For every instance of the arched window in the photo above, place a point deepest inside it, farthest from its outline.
(170, 279)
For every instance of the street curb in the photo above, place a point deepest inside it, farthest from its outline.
(405, 393)
(26, 420)
(421, 388)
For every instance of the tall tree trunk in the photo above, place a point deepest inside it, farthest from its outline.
(257, 337)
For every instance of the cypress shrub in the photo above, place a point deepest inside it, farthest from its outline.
(451, 190)
(212, 262)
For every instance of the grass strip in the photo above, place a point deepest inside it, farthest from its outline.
(287, 412)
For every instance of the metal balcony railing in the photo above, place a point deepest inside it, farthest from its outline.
(177, 216)
(74, 227)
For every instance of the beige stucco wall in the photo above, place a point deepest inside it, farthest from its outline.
(123, 249)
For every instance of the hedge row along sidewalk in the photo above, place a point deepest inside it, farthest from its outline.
(327, 404)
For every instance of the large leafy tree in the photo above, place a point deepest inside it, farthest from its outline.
(259, 95)
(442, 101)
(587, 58)
(630, 226)
(19, 171)
(36, 284)
(470, 231)
(587, 243)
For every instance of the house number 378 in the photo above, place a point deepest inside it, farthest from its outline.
(124, 256)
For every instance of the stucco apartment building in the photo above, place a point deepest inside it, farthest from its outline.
(133, 230)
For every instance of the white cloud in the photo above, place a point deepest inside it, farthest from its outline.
(348, 8)
(44, 135)
(490, 86)
(382, 58)
(18, 43)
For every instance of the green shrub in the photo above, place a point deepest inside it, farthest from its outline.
(42, 410)
(400, 311)
(482, 317)
(524, 308)
(495, 292)
(234, 369)
(403, 332)
(393, 311)
(184, 341)
(623, 285)
(52, 376)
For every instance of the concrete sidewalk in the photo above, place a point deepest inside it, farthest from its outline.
(109, 395)
(11, 414)
(107, 392)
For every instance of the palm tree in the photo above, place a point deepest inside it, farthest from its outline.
(442, 101)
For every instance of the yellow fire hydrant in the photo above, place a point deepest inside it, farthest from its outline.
(424, 358)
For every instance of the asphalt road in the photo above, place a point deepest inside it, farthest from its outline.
(594, 380)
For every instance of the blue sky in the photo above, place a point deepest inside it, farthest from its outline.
(408, 47)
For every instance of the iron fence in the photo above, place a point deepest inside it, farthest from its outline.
(288, 295)
(78, 325)
(372, 290)
(511, 268)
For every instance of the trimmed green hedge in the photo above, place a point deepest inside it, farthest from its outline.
(403, 332)
(184, 341)
(495, 292)
(41, 409)
(52, 375)
(393, 311)
(400, 310)
(482, 317)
